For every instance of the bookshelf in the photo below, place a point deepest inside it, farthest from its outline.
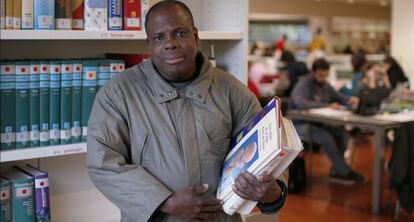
(73, 196)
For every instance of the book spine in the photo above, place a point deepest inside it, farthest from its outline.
(103, 72)
(89, 89)
(23, 200)
(44, 103)
(132, 14)
(42, 201)
(113, 66)
(17, 14)
(115, 14)
(8, 105)
(63, 14)
(144, 10)
(27, 14)
(77, 14)
(96, 15)
(34, 104)
(2, 14)
(22, 105)
(44, 14)
(66, 103)
(5, 201)
(76, 101)
(9, 14)
(54, 111)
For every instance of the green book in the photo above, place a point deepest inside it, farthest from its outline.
(5, 200)
(22, 104)
(8, 105)
(104, 73)
(76, 101)
(66, 102)
(34, 103)
(44, 103)
(22, 190)
(54, 111)
(89, 88)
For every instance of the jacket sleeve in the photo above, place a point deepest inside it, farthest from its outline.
(129, 186)
(302, 97)
(338, 96)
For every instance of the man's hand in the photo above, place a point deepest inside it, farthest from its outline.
(188, 204)
(353, 100)
(262, 188)
(334, 105)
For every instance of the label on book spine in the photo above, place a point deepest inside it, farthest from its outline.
(8, 105)
(22, 105)
(55, 77)
(89, 89)
(44, 14)
(76, 101)
(66, 103)
(34, 104)
(44, 104)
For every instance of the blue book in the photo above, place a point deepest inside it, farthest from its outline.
(5, 200)
(44, 103)
(66, 103)
(22, 104)
(89, 89)
(104, 73)
(8, 105)
(76, 101)
(44, 14)
(115, 14)
(54, 111)
(34, 103)
(22, 188)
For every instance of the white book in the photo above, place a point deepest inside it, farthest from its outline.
(96, 15)
(27, 14)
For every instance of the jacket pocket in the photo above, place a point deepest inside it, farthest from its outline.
(138, 148)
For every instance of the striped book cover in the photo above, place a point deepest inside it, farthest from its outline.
(5, 200)
(22, 104)
(63, 14)
(115, 14)
(44, 103)
(8, 105)
(103, 72)
(89, 89)
(76, 101)
(54, 111)
(22, 190)
(66, 103)
(27, 14)
(44, 14)
(77, 14)
(34, 103)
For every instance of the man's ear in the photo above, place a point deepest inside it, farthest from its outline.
(195, 30)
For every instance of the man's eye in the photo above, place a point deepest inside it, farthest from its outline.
(157, 38)
(180, 33)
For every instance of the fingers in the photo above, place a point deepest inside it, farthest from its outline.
(200, 189)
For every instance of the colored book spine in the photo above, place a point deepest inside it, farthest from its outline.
(103, 72)
(17, 14)
(41, 188)
(8, 105)
(66, 103)
(96, 15)
(34, 104)
(5, 200)
(132, 14)
(44, 103)
(2, 14)
(76, 101)
(22, 104)
(9, 14)
(115, 14)
(54, 111)
(22, 188)
(113, 66)
(121, 65)
(77, 14)
(144, 9)
(89, 89)
(44, 14)
(63, 14)
(27, 14)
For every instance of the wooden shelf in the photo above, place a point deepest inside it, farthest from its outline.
(42, 152)
(102, 35)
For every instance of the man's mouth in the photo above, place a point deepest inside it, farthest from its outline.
(174, 60)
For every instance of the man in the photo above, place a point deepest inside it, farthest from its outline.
(312, 91)
(158, 133)
(294, 70)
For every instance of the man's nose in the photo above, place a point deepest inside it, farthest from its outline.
(171, 42)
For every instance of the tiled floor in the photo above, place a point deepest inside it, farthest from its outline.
(325, 201)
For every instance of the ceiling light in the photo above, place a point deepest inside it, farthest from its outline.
(350, 1)
(383, 2)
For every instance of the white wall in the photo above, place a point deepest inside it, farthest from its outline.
(402, 33)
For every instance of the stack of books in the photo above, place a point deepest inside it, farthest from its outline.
(267, 145)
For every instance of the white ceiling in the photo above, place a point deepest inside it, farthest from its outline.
(357, 1)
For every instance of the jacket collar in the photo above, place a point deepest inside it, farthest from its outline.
(197, 90)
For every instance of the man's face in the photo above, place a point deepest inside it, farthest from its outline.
(172, 41)
(321, 76)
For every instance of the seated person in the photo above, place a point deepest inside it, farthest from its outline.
(313, 91)
(394, 71)
(358, 60)
(293, 68)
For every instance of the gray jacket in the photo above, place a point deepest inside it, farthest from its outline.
(147, 140)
